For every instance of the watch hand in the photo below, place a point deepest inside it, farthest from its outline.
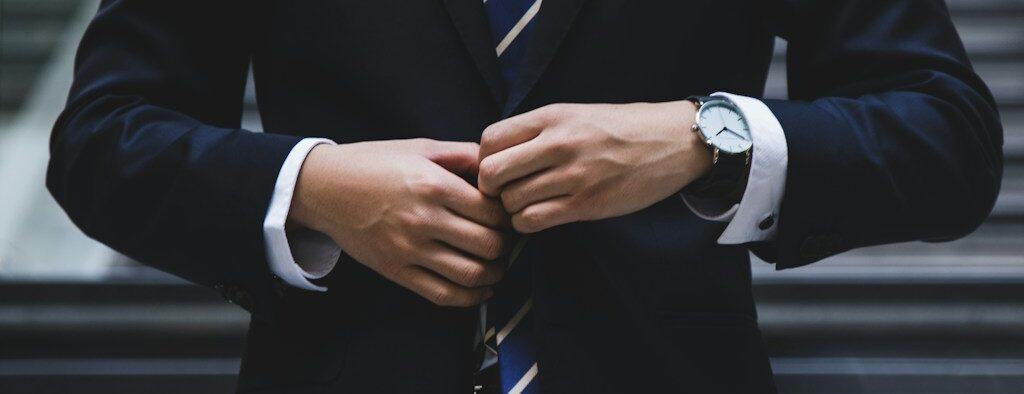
(721, 131)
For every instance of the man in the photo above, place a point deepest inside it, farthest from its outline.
(364, 255)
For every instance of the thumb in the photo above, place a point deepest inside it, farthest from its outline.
(461, 158)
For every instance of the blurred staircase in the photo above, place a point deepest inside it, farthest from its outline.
(917, 317)
(908, 318)
(30, 31)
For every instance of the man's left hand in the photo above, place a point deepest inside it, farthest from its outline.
(573, 162)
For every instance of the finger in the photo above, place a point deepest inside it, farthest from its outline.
(440, 291)
(469, 237)
(516, 130)
(457, 157)
(536, 188)
(465, 200)
(460, 269)
(516, 162)
(543, 215)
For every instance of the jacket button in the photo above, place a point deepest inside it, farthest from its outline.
(767, 223)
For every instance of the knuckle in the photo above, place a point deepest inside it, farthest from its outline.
(537, 219)
(562, 146)
(576, 136)
(528, 222)
(574, 175)
(442, 296)
(493, 247)
(429, 187)
(471, 275)
(418, 219)
(579, 172)
(490, 133)
(489, 170)
(510, 200)
(404, 249)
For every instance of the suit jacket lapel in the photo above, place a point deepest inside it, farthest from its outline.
(552, 24)
(471, 21)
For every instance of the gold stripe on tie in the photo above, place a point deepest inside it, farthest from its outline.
(524, 381)
(514, 321)
(519, 26)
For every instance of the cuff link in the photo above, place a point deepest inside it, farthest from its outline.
(767, 222)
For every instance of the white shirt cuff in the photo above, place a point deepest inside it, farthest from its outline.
(310, 254)
(756, 216)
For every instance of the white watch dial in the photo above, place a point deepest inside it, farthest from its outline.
(724, 127)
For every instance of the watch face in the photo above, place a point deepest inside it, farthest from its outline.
(724, 127)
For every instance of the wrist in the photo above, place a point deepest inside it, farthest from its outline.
(726, 134)
(304, 209)
(697, 157)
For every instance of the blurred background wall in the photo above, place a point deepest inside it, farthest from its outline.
(910, 318)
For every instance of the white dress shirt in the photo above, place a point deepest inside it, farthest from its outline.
(299, 255)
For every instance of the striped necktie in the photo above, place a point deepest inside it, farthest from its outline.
(511, 25)
(509, 329)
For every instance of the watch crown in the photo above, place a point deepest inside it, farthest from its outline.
(695, 127)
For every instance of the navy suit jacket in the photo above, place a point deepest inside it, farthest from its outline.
(892, 137)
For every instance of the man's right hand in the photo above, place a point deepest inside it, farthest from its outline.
(403, 208)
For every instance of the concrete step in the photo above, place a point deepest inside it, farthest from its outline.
(30, 40)
(29, 33)
(890, 376)
(838, 336)
(986, 7)
(39, 9)
(1013, 133)
(958, 299)
(992, 36)
(992, 254)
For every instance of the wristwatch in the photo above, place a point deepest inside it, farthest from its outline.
(725, 131)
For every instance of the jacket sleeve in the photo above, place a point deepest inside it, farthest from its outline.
(148, 157)
(892, 136)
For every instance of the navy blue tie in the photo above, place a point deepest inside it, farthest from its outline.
(509, 330)
(511, 26)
